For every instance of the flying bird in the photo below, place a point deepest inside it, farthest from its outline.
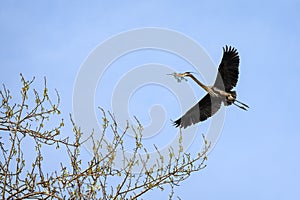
(220, 92)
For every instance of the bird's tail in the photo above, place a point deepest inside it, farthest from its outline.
(230, 100)
(236, 102)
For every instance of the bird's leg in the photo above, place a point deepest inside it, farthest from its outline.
(232, 99)
(243, 104)
(242, 107)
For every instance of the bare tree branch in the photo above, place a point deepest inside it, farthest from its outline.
(30, 118)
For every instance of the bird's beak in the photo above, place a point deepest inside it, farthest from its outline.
(180, 75)
(177, 74)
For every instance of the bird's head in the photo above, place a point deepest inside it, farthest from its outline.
(181, 76)
(184, 74)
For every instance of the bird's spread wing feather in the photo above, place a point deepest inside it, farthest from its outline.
(204, 109)
(228, 69)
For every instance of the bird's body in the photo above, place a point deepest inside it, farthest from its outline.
(220, 92)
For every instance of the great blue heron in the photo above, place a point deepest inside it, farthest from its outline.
(220, 91)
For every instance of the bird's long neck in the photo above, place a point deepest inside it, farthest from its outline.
(199, 83)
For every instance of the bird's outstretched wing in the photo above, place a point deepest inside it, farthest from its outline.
(204, 109)
(228, 69)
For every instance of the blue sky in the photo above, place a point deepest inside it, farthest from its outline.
(257, 156)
